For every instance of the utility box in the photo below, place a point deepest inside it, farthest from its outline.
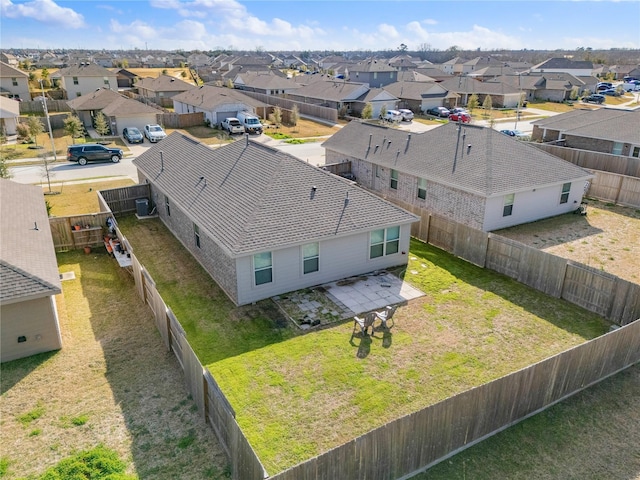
(142, 207)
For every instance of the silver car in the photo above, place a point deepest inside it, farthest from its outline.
(407, 115)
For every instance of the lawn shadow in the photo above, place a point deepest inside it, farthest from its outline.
(364, 347)
(14, 371)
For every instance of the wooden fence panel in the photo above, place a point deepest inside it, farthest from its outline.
(541, 270)
(35, 106)
(442, 233)
(604, 162)
(305, 109)
(61, 233)
(625, 305)
(65, 237)
(181, 120)
(176, 334)
(194, 375)
(590, 288)
(615, 188)
(503, 255)
(629, 192)
(136, 269)
(122, 200)
(470, 244)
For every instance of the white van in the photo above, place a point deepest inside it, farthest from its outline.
(250, 122)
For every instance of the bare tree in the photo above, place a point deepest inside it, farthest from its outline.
(295, 115)
(367, 111)
(473, 102)
(35, 128)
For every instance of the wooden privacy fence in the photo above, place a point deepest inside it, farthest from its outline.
(66, 235)
(305, 109)
(181, 120)
(588, 159)
(607, 295)
(35, 106)
(123, 199)
(414, 443)
(615, 188)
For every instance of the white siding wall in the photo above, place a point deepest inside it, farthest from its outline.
(22, 89)
(87, 85)
(339, 258)
(532, 205)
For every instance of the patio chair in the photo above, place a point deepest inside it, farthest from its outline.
(364, 323)
(386, 315)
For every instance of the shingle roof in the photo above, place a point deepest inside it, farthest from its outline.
(604, 123)
(28, 267)
(336, 90)
(267, 81)
(561, 62)
(164, 83)
(9, 71)
(471, 85)
(208, 97)
(416, 90)
(494, 165)
(110, 103)
(372, 65)
(84, 70)
(254, 198)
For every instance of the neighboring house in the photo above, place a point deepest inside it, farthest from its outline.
(564, 65)
(264, 223)
(330, 93)
(431, 72)
(377, 97)
(126, 79)
(84, 78)
(14, 83)
(266, 82)
(217, 103)
(28, 274)
(374, 72)
(491, 71)
(420, 96)
(9, 113)
(453, 66)
(121, 111)
(196, 60)
(621, 71)
(480, 63)
(292, 61)
(104, 60)
(9, 59)
(162, 89)
(603, 130)
(475, 175)
(502, 94)
(555, 87)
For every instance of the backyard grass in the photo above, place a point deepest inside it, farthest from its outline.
(113, 383)
(296, 395)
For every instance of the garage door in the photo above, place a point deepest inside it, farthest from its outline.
(220, 116)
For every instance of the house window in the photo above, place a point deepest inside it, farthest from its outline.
(311, 257)
(377, 168)
(422, 188)
(636, 152)
(566, 188)
(375, 75)
(196, 234)
(161, 94)
(262, 268)
(394, 180)
(14, 81)
(508, 204)
(167, 207)
(617, 148)
(75, 80)
(78, 94)
(385, 241)
(106, 80)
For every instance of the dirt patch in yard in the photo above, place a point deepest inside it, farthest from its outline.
(606, 238)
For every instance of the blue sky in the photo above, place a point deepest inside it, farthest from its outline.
(319, 25)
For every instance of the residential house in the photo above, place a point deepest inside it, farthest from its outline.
(126, 79)
(374, 72)
(491, 72)
(377, 97)
(263, 223)
(81, 79)
(621, 71)
(121, 111)
(28, 274)
(420, 96)
(104, 60)
(502, 95)
(578, 68)
(292, 61)
(9, 114)
(217, 103)
(470, 174)
(605, 130)
(14, 83)
(162, 89)
(432, 72)
(337, 94)
(403, 63)
(9, 59)
(453, 66)
(267, 82)
(555, 87)
(480, 63)
(196, 60)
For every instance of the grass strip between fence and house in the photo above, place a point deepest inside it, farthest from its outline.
(299, 395)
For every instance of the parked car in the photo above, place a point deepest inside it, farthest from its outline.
(594, 98)
(604, 86)
(407, 115)
(132, 135)
(232, 125)
(463, 117)
(611, 92)
(514, 133)
(154, 133)
(459, 110)
(438, 112)
(93, 152)
(392, 116)
(250, 122)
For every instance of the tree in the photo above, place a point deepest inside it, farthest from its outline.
(488, 103)
(165, 71)
(229, 83)
(473, 102)
(277, 115)
(32, 77)
(575, 91)
(73, 126)
(35, 128)
(383, 111)
(402, 47)
(44, 73)
(367, 111)
(101, 124)
(295, 115)
(125, 63)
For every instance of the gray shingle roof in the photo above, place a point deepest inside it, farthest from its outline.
(471, 85)
(110, 103)
(267, 81)
(566, 63)
(494, 165)
(84, 70)
(164, 83)
(255, 198)
(416, 90)
(28, 267)
(335, 90)
(208, 97)
(7, 70)
(604, 123)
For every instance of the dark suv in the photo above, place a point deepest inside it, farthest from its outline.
(594, 98)
(92, 152)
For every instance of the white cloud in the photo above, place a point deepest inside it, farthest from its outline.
(388, 31)
(43, 11)
(429, 21)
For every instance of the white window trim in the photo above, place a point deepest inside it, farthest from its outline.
(309, 258)
(253, 271)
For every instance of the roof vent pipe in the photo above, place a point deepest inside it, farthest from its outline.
(468, 149)
(346, 200)
(161, 162)
(370, 135)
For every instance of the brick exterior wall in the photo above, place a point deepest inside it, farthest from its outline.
(451, 203)
(210, 255)
(594, 144)
(539, 134)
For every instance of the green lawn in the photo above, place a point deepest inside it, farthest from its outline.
(297, 395)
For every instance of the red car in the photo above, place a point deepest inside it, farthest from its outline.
(460, 116)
